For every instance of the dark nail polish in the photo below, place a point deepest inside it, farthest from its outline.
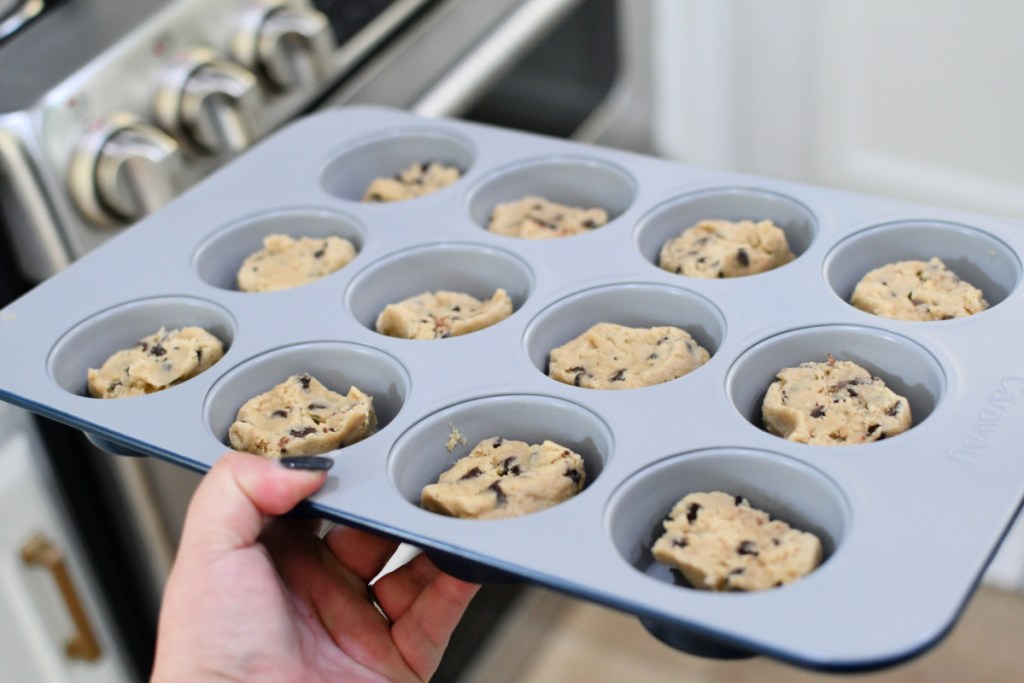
(313, 463)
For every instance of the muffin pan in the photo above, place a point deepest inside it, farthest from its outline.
(908, 524)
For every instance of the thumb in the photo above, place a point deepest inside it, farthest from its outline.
(228, 508)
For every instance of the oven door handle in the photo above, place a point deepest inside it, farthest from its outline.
(41, 552)
(485, 63)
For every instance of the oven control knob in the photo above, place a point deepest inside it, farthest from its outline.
(209, 102)
(288, 42)
(124, 168)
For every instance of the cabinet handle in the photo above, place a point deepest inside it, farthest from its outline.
(40, 551)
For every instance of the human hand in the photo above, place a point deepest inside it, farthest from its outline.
(255, 600)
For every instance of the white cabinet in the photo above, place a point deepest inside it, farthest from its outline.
(52, 627)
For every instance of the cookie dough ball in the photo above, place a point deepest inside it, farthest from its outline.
(834, 403)
(502, 478)
(157, 362)
(535, 218)
(415, 181)
(442, 314)
(300, 416)
(284, 262)
(610, 356)
(718, 248)
(916, 290)
(719, 542)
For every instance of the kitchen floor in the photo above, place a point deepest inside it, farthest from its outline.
(548, 637)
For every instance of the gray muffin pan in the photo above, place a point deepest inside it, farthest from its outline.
(908, 524)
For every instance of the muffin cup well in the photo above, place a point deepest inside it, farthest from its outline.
(467, 268)
(218, 259)
(420, 455)
(629, 304)
(351, 170)
(668, 220)
(337, 365)
(91, 342)
(574, 181)
(975, 256)
(907, 368)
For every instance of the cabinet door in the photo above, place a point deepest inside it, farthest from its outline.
(52, 628)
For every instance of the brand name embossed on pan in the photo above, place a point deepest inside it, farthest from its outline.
(989, 420)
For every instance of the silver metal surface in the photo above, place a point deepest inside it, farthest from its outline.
(14, 14)
(57, 86)
(208, 102)
(290, 44)
(123, 169)
(489, 59)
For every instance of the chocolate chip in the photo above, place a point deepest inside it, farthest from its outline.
(573, 474)
(653, 356)
(873, 428)
(375, 197)
(158, 350)
(144, 346)
(691, 512)
(738, 500)
(747, 548)
(316, 406)
(589, 223)
(737, 572)
(619, 376)
(818, 411)
(456, 308)
(304, 381)
(199, 355)
(279, 413)
(893, 410)
(319, 253)
(680, 543)
(471, 474)
(496, 487)
(508, 466)
(742, 258)
(852, 393)
(497, 442)
(300, 432)
(776, 541)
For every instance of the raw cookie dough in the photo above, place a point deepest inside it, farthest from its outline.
(718, 542)
(300, 416)
(284, 262)
(442, 314)
(718, 248)
(502, 478)
(610, 356)
(915, 290)
(158, 361)
(834, 403)
(535, 218)
(415, 181)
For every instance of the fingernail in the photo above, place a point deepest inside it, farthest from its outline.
(313, 463)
